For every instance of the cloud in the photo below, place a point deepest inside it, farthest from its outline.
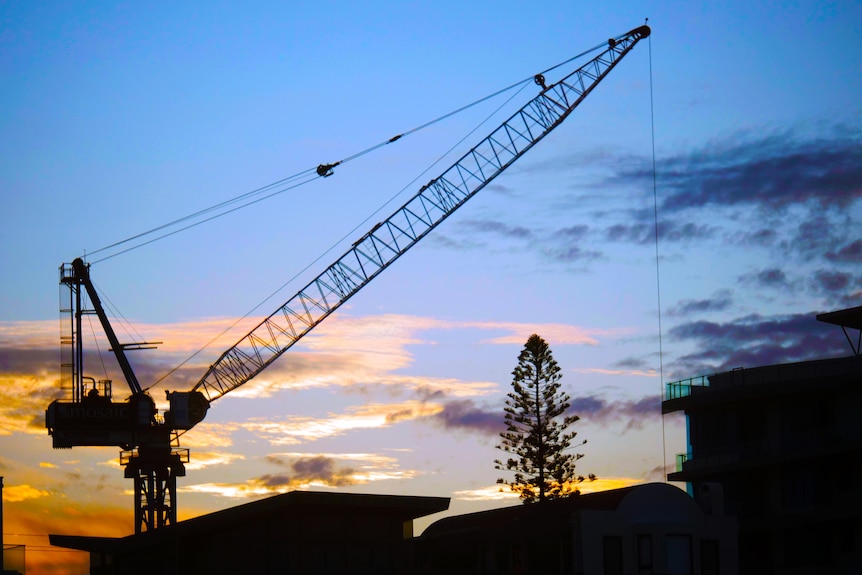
(571, 254)
(635, 412)
(755, 340)
(210, 435)
(307, 471)
(490, 493)
(15, 493)
(850, 253)
(297, 430)
(503, 493)
(720, 301)
(830, 282)
(574, 233)
(555, 334)
(771, 278)
(361, 351)
(744, 189)
(203, 459)
(466, 415)
(642, 233)
(772, 170)
(496, 228)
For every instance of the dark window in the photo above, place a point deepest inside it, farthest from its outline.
(678, 554)
(612, 553)
(709, 557)
(644, 553)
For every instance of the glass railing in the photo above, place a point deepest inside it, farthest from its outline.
(682, 388)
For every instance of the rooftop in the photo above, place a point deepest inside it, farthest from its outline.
(404, 507)
(756, 381)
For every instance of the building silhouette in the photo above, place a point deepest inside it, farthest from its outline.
(295, 532)
(785, 444)
(652, 528)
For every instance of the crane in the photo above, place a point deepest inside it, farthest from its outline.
(150, 441)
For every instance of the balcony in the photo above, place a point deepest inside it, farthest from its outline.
(683, 388)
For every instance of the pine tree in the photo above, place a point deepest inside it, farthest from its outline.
(535, 437)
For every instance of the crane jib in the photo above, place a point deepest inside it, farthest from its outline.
(391, 238)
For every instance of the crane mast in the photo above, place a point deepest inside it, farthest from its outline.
(151, 454)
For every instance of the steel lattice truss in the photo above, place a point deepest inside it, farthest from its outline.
(391, 238)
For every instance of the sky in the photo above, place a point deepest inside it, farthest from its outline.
(735, 126)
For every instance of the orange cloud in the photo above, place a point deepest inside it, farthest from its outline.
(15, 493)
(200, 460)
(298, 471)
(503, 493)
(558, 334)
(296, 430)
(210, 435)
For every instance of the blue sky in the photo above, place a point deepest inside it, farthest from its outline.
(118, 117)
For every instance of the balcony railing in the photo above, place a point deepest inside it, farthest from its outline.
(682, 388)
(686, 462)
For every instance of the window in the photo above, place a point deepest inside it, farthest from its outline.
(644, 553)
(612, 555)
(709, 557)
(678, 554)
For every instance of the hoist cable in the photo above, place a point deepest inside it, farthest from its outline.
(657, 264)
(196, 214)
(199, 222)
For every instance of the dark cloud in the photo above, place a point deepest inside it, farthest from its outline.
(669, 231)
(632, 363)
(28, 360)
(814, 237)
(304, 469)
(634, 413)
(574, 233)
(497, 228)
(850, 253)
(774, 170)
(571, 254)
(829, 282)
(849, 300)
(466, 415)
(753, 341)
(679, 232)
(632, 233)
(773, 278)
(720, 301)
(762, 238)
(498, 188)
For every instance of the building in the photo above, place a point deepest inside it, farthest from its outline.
(654, 528)
(785, 443)
(296, 532)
